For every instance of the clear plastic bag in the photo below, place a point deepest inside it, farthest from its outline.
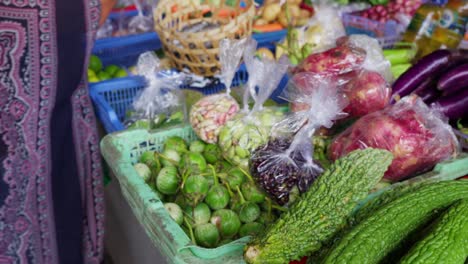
(375, 59)
(333, 63)
(317, 35)
(417, 136)
(323, 29)
(140, 23)
(161, 103)
(211, 113)
(367, 92)
(284, 166)
(357, 66)
(250, 129)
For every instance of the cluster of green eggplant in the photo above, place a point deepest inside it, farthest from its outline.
(213, 201)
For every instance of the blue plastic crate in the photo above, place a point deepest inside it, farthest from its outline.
(268, 39)
(386, 33)
(124, 51)
(112, 98)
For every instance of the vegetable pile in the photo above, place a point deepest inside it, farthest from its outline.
(213, 201)
(273, 16)
(440, 78)
(384, 12)
(409, 129)
(334, 178)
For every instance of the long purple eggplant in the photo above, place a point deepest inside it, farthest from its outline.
(430, 66)
(454, 80)
(454, 106)
(427, 91)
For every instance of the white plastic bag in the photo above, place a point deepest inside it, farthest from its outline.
(284, 166)
(209, 114)
(250, 129)
(161, 101)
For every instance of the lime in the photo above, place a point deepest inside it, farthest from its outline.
(95, 63)
(91, 73)
(93, 79)
(121, 73)
(112, 69)
(104, 76)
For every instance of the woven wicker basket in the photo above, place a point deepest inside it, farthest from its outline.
(199, 51)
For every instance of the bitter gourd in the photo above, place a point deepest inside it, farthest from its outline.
(378, 199)
(322, 210)
(375, 237)
(447, 242)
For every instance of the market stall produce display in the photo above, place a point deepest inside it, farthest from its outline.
(354, 171)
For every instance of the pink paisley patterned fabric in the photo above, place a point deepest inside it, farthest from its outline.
(29, 69)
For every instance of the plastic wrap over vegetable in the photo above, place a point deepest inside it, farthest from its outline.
(161, 103)
(416, 135)
(324, 28)
(364, 79)
(335, 62)
(375, 59)
(367, 92)
(248, 130)
(284, 167)
(317, 35)
(209, 114)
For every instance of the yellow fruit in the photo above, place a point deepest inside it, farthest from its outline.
(265, 53)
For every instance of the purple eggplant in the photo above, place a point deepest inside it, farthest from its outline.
(454, 80)
(427, 91)
(454, 106)
(430, 66)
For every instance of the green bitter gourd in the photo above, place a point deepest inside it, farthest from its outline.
(322, 210)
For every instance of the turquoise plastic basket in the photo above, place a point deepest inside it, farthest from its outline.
(122, 150)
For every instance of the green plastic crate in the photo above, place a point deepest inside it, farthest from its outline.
(121, 150)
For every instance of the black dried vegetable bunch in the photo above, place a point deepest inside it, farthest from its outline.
(279, 176)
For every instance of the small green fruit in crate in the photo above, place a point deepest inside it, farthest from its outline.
(95, 63)
(251, 229)
(217, 197)
(176, 143)
(249, 212)
(197, 146)
(103, 76)
(207, 235)
(143, 171)
(150, 159)
(169, 157)
(195, 189)
(175, 212)
(168, 181)
(121, 73)
(111, 69)
(235, 178)
(212, 153)
(199, 214)
(227, 222)
(192, 162)
(252, 193)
